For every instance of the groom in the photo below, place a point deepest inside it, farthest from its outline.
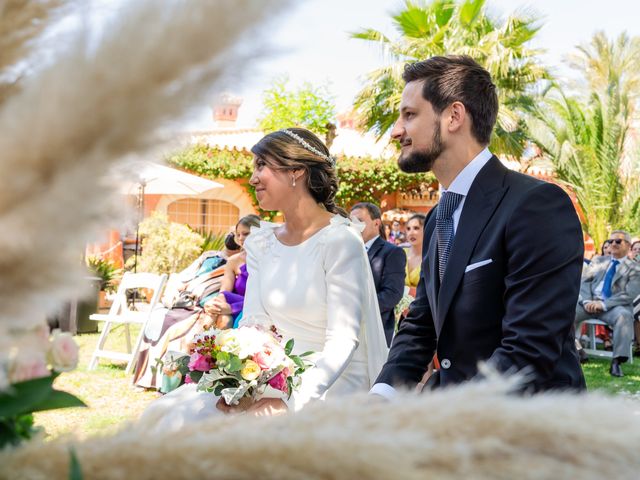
(502, 250)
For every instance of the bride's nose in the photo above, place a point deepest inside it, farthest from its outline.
(254, 179)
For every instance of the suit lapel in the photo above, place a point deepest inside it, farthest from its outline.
(375, 248)
(431, 270)
(484, 196)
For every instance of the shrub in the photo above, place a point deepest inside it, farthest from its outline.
(167, 247)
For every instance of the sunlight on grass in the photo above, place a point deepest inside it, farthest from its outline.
(109, 394)
(596, 372)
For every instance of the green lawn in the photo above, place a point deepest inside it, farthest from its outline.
(112, 399)
(109, 394)
(596, 372)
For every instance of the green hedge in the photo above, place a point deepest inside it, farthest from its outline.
(361, 178)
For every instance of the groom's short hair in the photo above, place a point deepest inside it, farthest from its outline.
(458, 78)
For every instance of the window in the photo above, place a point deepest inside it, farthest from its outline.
(211, 215)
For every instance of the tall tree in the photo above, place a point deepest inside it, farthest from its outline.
(308, 107)
(610, 64)
(458, 27)
(586, 136)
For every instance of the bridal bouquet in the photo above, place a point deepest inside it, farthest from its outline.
(241, 363)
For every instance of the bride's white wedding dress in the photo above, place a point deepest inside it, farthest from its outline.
(321, 294)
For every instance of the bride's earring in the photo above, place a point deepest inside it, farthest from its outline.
(293, 183)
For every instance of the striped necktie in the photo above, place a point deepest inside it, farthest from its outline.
(444, 227)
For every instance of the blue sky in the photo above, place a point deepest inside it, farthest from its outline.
(313, 44)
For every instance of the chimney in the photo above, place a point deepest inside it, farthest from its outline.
(225, 110)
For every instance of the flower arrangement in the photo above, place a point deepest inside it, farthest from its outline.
(403, 305)
(241, 363)
(26, 380)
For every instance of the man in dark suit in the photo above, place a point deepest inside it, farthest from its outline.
(503, 250)
(387, 263)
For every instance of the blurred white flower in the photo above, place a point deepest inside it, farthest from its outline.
(63, 352)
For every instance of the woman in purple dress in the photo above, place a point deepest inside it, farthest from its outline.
(227, 306)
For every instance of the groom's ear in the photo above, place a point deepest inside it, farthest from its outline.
(455, 116)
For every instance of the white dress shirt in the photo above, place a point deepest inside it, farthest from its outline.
(461, 185)
(368, 244)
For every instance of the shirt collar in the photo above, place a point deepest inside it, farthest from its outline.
(367, 245)
(462, 183)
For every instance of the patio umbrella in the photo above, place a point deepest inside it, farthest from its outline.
(155, 179)
(161, 180)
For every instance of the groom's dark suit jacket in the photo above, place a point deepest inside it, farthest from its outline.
(520, 242)
(388, 267)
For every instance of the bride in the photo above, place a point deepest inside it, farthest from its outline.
(310, 277)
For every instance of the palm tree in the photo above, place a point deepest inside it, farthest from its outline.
(585, 145)
(587, 139)
(451, 27)
(607, 64)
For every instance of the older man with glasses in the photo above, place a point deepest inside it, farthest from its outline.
(609, 285)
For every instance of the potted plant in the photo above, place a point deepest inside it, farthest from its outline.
(108, 274)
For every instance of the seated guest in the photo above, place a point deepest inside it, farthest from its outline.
(387, 232)
(605, 250)
(387, 263)
(634, 252)
(396, 236)
(228, 306)
(415, 235)
(177, 325)
(607, 291)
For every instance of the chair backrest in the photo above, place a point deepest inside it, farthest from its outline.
(171, 290)
(131, 281)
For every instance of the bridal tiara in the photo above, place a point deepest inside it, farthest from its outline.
(307, 146)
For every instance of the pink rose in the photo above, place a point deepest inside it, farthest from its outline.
(199, 362)
(264, 359)
(63, 352)
(187, 379)
(279, 382)
(27, 367)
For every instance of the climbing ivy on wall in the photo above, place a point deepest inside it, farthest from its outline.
(361, 178)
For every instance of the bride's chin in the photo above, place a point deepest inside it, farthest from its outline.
(266, 206)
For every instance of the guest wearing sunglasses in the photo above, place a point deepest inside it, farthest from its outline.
(609, 285)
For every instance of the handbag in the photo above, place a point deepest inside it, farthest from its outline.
(185, 300)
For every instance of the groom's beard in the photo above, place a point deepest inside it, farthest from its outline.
(422, 160)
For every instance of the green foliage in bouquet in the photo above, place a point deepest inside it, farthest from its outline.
(241, 363)
(18, 404)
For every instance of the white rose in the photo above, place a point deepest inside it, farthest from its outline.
(26, 366)
(63, 352)
(228, 341)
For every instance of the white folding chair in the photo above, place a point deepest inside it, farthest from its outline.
(593, 350)
(121, 314)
